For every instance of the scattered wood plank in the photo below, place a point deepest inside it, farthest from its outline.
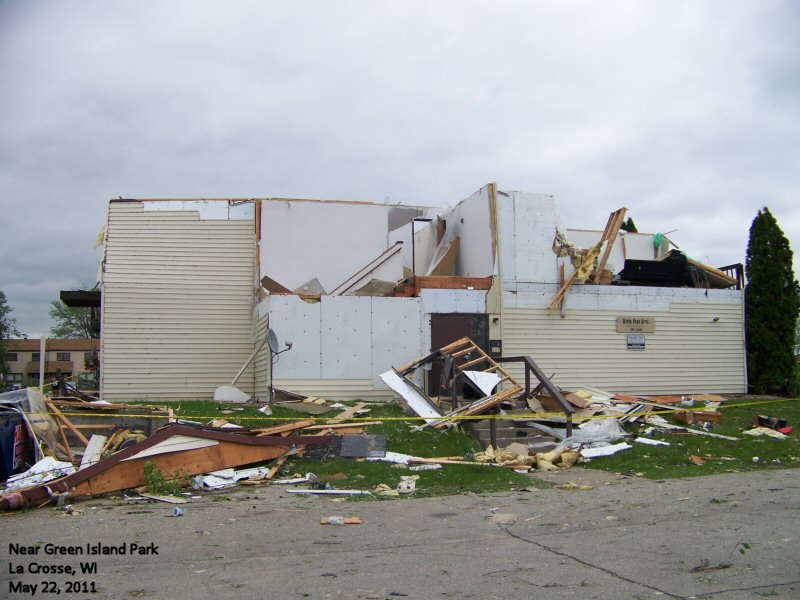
(576, 400)
(278, 429)
(345, 425)
(609, 235)
(664, 399)
(276, 466)
(66, 422)
(348, 413)
(160, 498)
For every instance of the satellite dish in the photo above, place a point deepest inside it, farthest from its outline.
(272, 340)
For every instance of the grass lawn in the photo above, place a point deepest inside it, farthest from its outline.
(654, 462)
(720, 456)
(365, 475)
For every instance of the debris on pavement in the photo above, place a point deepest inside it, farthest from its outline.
(571, 485)
(337, 520)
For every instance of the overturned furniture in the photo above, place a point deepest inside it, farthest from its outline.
(469, 374)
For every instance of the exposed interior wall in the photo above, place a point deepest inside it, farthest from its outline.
(470, 221)
(388, 268)
(330, 241)
(689, 352)
(177, 303)
(421, 250)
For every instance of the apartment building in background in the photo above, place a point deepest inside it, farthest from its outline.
(71, 356)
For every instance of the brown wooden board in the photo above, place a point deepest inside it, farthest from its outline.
(348, 413)
(130, 473)
(286, 427)
(108, 473)
(663, 399)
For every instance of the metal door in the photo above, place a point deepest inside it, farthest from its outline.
(446, 329)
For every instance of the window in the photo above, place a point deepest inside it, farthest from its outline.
(35, 357)
(62, 356)
(12, 357)
(15, 377)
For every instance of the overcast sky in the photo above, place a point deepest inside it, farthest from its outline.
(687, 113)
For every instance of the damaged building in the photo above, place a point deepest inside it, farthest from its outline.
(190, 287)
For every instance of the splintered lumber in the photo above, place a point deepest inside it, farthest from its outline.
(66, 422)
(444, 461)
(345, 425)
(475, 408)
(562, 292)
(462, 349)
(276, 466)
(167, 499)
(278, 429)
(348, 413)
(609, 235)
(350, 430)
(113, 439)
(125, 469)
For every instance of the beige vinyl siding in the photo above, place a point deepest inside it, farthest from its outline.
(177, 304)
(261, 362)
(334, 389)
(688, 353)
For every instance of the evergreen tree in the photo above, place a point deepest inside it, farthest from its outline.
(629, 226)
(772, 301)
(8, 330)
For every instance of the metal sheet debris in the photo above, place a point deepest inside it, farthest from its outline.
(604, 450)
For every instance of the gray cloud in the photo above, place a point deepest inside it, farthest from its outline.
(684, 112)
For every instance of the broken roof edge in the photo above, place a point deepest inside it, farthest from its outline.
(277, 199)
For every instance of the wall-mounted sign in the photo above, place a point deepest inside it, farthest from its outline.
(636, 341)
(636, 324)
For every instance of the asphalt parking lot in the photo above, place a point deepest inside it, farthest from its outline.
(723, 537)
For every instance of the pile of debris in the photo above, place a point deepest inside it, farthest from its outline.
(143, 440)
(544, 427)
(78, 447)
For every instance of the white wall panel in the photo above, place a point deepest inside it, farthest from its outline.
(396, 324)
(345, 337)
(297, 321)
(453, 301)
(506, 237)
(535, 228)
